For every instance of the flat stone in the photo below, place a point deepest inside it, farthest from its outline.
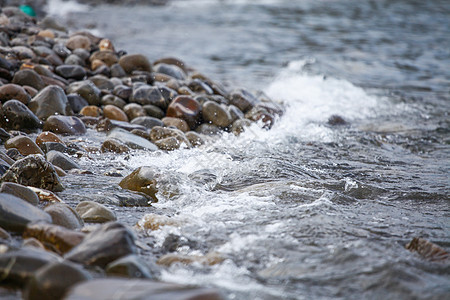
(16, 213)
(17, 115)
(71, 72)
(113, 145)
(64, 215)
(106, 289)
(65, 125)
(131, 140)
(20, 191)
(14, 91)
(93, 212)
(24, 144)
(61, 160)
(131, 266)
(147, 122)
(104, 245)
(50, 101)
(35, 171)
(135, 62)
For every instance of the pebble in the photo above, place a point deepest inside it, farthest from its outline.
(108, 57)
(176, 122)
(87, 90)
(20, 191)
(78, 41)
(114, 113)
(185, 108)
(131, 140)
(171, 70)
(147, 94)
(209, 259)
(50, 101)
(70, 71)
(65, 125)
(91, 111)
(61, 160)
(13, 91)
(64, 215)
(130, 266)
(216, 114)
(16, 115)
(142, 179)
(154, 111)
(135, 62)
(93, 212)
(243, 100)
(24, 144)
(113, 145)
(147, 122)
(29, 77)
(47, 136)
(76, 102)
(134, 110)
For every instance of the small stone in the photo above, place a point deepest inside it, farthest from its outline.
(106, 56)
(71, 72)
(243, 100)
(106, 44)
(50, 101)
(102, 82)
(208, 129)
(113, 100)
(185, 108)
(87, 90)
(114, 113)
(52, 146)
(171, 70)
(194, 138)
(240, 125)
(154, 111)
(46, 33)
(93, 212)
(76, 102)
(428, 250)
(200, 87)
(147, 94)
(14, 91)
(176, 122)
(130, 266)
(216, 114)
(336, 120)
(97, 64)
(61, 160)
(109, 242)
(123, 91)
(61, 238)
(258, 113)
(24, 144)
(134, 110)
(64, 215)
(16, 213)
(168, 144)
(91, 111)
(135, 62)
(131, 140)
(20, 191)
(54, 280)
(47, 136)
(65, 125)
(35, 171)
(117, 71)
(172, 61)
(158, 133)
(113, 145)
(142, 179)
(78, 41)
(29, 77)
(75, 60)
(17, 115)
(209, 259)
(147, 122)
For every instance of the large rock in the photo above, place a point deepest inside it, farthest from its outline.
(61, 238)
(24, 144)
(135, 62)
(20, 191)
(61, 160)
(216, 114)
(14, 91)
(93, 212)
(34, 170)
(66, 125)
(17, 115)
(50, 101)
(29, 77)
(104, 245)
(87, 90)
(64, 215)
(147, 94)
(142, 179)
(131, 140)
(17, 267)
(106, 289)
(16, 213)
(54, 280)
(185, 108)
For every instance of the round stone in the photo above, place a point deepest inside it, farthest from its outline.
(91, 111)
(29, 77)
(78, 41)
(93, 212)
(114, 113)
(20, 191)
(17, 115)
(134, 110)
(64, 215)
(216, 114)
(13, 91)
(24, 144)
(46, 137)
(135, 62)
(176, 122)
(50, 101)
(66, 125)
(185, 108)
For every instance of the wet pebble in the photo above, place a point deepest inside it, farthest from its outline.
(64, 215)
(131, 266)
(185, 108)
(50, 101)
(28, 77)
(135, 62)
(17, 115)
(20, 191)
(131, 140)
(66, 125)
(93, 212)
(142, 179)
(14, 91)
(24, 144)
(114, 113)
(61, 160)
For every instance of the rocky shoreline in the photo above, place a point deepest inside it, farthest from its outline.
(55, 87)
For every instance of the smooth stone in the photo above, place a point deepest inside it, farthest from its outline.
(209, 259)
(108, 288)
(4, 135)
(235, 113)
(117, 71)
(131, 140)
(16, 213)
(76, 102)
(216, 114)
(4, 235)
(154, 111)
(52, 146)
(243, 100)
(131, 266)
(13, 91)
(184, 90)
(78, 41)
(239, 126)
(114, 113)
(147, 94)
(46, 137)
(134, 110)
(71, 72)
(108, 125)
(20, 191)
(169, 144)
(142, 179)
(176, 122)
(23, 52)
(91, 111)
(147, 122)
(171, 70)
(24, 144)
(87, 90)
(194, 138)
(135, 62)
(61, 50)
(54, 280)
(113, 100)
(17, 267)
(75, 60)
(168, 93)
(28, 77)
(428, 250)
(93, 212)
(82, 53)
(102, 82)
(97, 64)
(61, 160)
(106, 56)
(172, 61)
(65, 125)
(64, 215)
(35, 171)
(106, 44)
(200, 87)
(17, 115)
(113, 145)
(185, 108)
(105, 244)
(258, 113)
(208, 129)
(50, 101)
(123, 91)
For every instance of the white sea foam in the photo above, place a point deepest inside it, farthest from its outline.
(62, 8)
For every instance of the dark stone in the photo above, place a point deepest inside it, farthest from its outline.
(75, 60)
(76, 102)
(243, 100)
(117, 71)
(171, 70)
(147, 122)
(104, 245)
(50, 101)
(14, 91)
(16, 213)
(54, 280)
(71, 72)
(24, 144)
(87, 90)
(185, 108)
(131, 140)
(61, 50)
(336, 120)
(34, 170)
(54, 146)
(154, 111)
(147, 94)
(66, 125)
(113, 100)
(200, 87)
(135, 62)
(20, 191)
(4, 135)
(61, 160)
(131, 266)
(14, 154)
(216, 114)
(64, 215)
(17, 115)
(28, 77)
